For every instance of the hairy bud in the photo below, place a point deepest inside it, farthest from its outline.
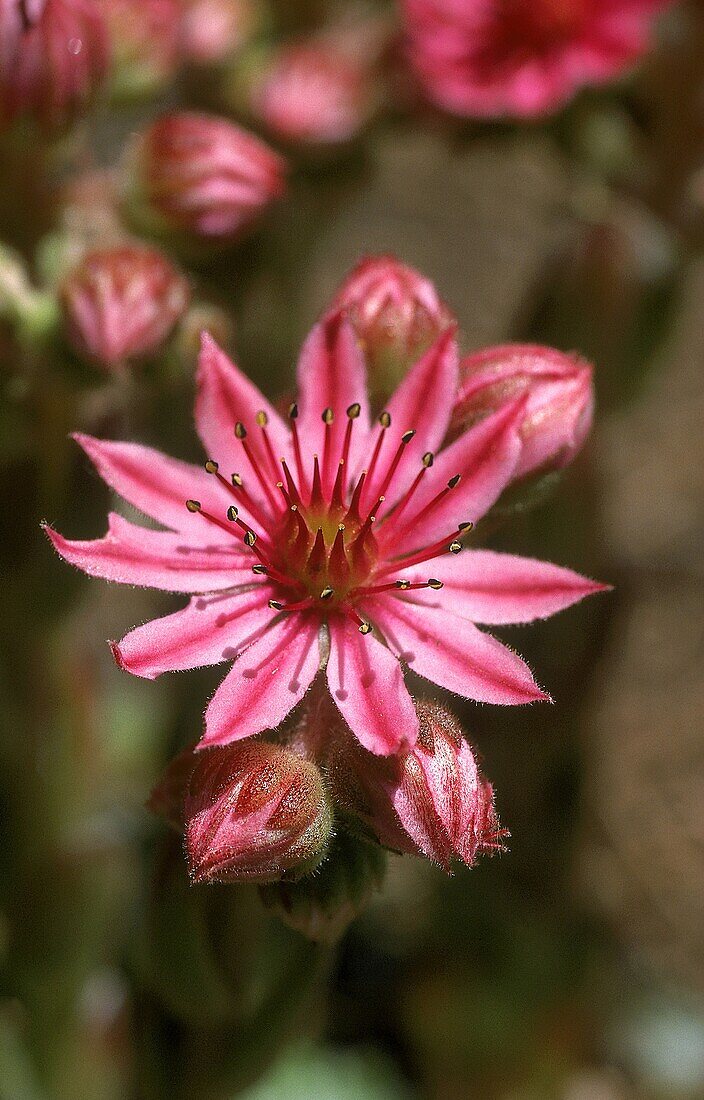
(121, 303)
(559, 407)
(255, 812)
(202, 176)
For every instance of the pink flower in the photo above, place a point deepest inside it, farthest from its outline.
(312, 93)
(145, 40)
(213, 30)
(121, 303)
(53, 57)
(559, 400)
(204, 175)
(432, 801)
(255, 812)
(489, 58)
(327, 539)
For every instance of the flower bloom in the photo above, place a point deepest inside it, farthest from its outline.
(328, 540)
(492, 58)
(559, 399)
(312, 93)
(145, 40)
(121, 303)
(53, 57)
(213, 30)
(432, 801)
(204, 175)
(254, 812)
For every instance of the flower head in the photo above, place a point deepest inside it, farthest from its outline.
(559, 399)
(53, 56)
(489, 58)
(203, 175)
(145, 36)
(213, 30)
(327, 540)
(121, 303)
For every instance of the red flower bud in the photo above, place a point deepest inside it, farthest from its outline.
(560, 399)
(255, 812)
(312, 93)
(214, 30)
(145, 44)
(397, 315)
(432, 801)
(168, 797)
(203, 175)
(121, 303)
(53, 57)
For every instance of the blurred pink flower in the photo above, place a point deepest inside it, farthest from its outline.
(213, 30)
(121, 303)
(145, 43)
(53, 57)
(312, 93)
(204, 175)
(254, 812)
(322, 556)
(522, 58)
(559, 399)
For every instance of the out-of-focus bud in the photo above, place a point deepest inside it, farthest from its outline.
(321, 906)
(212, 31)
(255, 811)
(145, 44)
(121, 303)
(397, 315)
(201, 176)
(168, 797)
(312, 93)
(560, 399)
(53, 56)
(433, 801)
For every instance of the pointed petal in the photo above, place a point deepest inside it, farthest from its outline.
(485, 457)
(451, 652)
(156, 484)
(265, 683)
(155, 559)
(209, 630)
(225, 396)
(366, 682)
(500, 589)
(332, 374)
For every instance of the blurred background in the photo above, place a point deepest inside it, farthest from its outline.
(569, 967)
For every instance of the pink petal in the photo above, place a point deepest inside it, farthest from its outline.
(156, 484)
(209, 630)
(451, 652)
(225, 396)
(500, 589)
(265, 683)
(332, 374)
(155, 559)
(485, 457)
(366, 682)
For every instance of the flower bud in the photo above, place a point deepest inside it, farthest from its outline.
(121, 303)
(202, 176)
(168, 797)
(255, 812)
(145, 44)
(396, 313)
(560, 399)
(214, 30)
(53, 57)
(432, 801)
(312, 93)
(321, 906)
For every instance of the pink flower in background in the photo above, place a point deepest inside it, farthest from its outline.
(559, 399)
(204, 175)
(312, 93)
(523, 58)
(327, 540)
(121, 303)
(213, 30)
(145, 37)
(54, 56)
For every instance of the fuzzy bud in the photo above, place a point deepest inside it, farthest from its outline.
(433, 801)
(121, 304)
(201, 176)
(397, 314)
(53, 57)
(559, 407)
(255, 812)
(145, 44)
